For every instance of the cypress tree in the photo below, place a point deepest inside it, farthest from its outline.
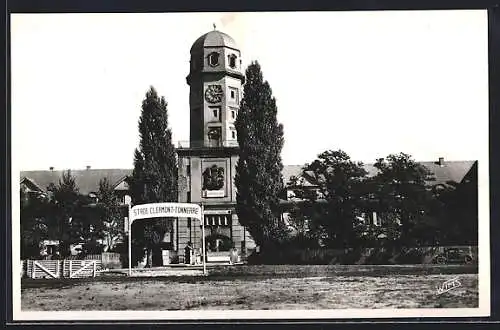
(258, 177)
(154, 178)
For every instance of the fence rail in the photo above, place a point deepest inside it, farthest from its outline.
(61, 268)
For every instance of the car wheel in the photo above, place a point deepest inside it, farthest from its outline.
(440, 260)
(468, 259)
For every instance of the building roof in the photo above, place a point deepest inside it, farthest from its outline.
(291, 170)
(88, 180)
(213, 39)
(450, 171)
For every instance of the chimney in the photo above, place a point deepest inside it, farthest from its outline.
(88, 167)
(441, 161)
(51, 168)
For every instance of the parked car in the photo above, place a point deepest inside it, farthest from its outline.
(454, 256)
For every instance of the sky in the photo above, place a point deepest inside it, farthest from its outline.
(369, 83)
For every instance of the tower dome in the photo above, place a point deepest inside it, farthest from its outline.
(213, 39)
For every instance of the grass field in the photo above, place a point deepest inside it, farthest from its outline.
(300, 290)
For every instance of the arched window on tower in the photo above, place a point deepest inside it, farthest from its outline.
(213, 59)
(214, 136)
(232, 61)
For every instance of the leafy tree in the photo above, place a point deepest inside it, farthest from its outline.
(333, 207)
(111, 216)
(34, 227)
(401, 193)
(258, 177)
(66, 210)
(154, 178)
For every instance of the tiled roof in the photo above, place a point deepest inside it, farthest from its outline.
(86, 180)
(213, 39)
(452, 171)
(291, 170)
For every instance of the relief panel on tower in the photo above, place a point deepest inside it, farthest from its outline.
(214, 179)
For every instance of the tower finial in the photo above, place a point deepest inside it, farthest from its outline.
(215, 26)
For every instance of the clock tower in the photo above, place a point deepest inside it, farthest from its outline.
(207, 162)
(215, 79)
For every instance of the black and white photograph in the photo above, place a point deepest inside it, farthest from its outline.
(250, 165)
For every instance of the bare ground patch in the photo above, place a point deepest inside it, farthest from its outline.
(319, 292)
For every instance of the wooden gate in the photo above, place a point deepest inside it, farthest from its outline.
(81, 268)
(63, 268)
(43, 269)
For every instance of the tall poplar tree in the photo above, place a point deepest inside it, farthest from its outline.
(258, 177)
(154, 178)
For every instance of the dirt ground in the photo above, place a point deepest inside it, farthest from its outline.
(318, 292)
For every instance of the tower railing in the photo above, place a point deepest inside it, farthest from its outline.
(207, 144)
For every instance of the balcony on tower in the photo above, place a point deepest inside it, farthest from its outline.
(201, 144)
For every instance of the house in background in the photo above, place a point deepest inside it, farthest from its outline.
(37, 183)
(451, 175)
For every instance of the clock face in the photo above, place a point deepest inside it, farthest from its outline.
(214, 93)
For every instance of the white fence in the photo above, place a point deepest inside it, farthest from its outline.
(61, 268)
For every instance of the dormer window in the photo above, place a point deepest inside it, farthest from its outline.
(213, 59)
(232, 61)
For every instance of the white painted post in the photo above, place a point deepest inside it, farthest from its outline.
(203, 240)
(129, 240)
(33, 271)
(94, 270)
(70, 267)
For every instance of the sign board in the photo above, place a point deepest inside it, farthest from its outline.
(165, 210)
(217, 212)
(213, 193)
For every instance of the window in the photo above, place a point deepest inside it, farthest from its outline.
(232, 61)
(233, 112)
(214, 133)
(233, 134)
(216, 113)
(213, 59)
(233, 92)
